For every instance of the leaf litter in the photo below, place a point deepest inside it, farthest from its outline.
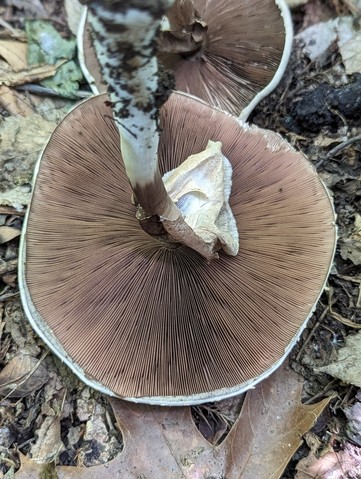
(81, 413)
(163, 442)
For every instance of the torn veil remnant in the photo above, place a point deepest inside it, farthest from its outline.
(230, 54)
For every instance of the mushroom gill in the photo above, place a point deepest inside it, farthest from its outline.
(242, 54)
(152, 321)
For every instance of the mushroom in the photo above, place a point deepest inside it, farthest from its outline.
(230, 54)
(139, 318)
(141, 312)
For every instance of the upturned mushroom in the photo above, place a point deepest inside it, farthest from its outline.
(123, 292)
(230, 54)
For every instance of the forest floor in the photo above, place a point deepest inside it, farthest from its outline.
(317, 108)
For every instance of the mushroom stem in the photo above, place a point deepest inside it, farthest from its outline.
(124, 39)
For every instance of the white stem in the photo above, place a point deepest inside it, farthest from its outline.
(125, 43)
(125, 33)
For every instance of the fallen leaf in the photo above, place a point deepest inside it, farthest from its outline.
(10, 279)
(22, 140)
(318, 39)
(14, 102)
(351, 54)
(30, 9)
(7, 233)
(353, 415)
(23, 375)
(29, 469)
(48, 445)
(15, 54)
(8, 266)
(354, 6)
(32, 74)
(333, 465)
(347, 366)
(350, 248)
(163, 442)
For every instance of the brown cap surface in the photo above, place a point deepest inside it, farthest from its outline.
(144, 319)
(241, 53)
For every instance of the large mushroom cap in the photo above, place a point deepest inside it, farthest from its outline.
(146, 321)
(244, 54)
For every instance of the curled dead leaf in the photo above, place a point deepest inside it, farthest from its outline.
(7, 233)
(48, 445)
(14, 102)
(23, 375)
(332, 465)
(347, 367)
(30, 75)
(14, 53)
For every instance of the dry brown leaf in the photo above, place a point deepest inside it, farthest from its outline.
(14, 102)
(48, 445)
(350, 248)
(32, 74)
(22, 139)
(353, 415)
(351, 54)
(354, 6)
(15, 54)
(347, 367)
(10, 279)
(7, 233)
(163, 443)
(23, 375)
(8, 266)
(333, 465)
(29, 469)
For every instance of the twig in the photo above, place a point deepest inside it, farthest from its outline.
(315, 327)
(3, 297)
(9, 210)
(328, 387)
(353, 279)
(337, 149)
(26, 376)
(42, 90)
(7, 26)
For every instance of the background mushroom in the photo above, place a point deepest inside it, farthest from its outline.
(229, 53)
(144, 319)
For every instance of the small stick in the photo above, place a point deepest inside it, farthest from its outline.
(337, 149)
(42, 90)
(312, 332)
